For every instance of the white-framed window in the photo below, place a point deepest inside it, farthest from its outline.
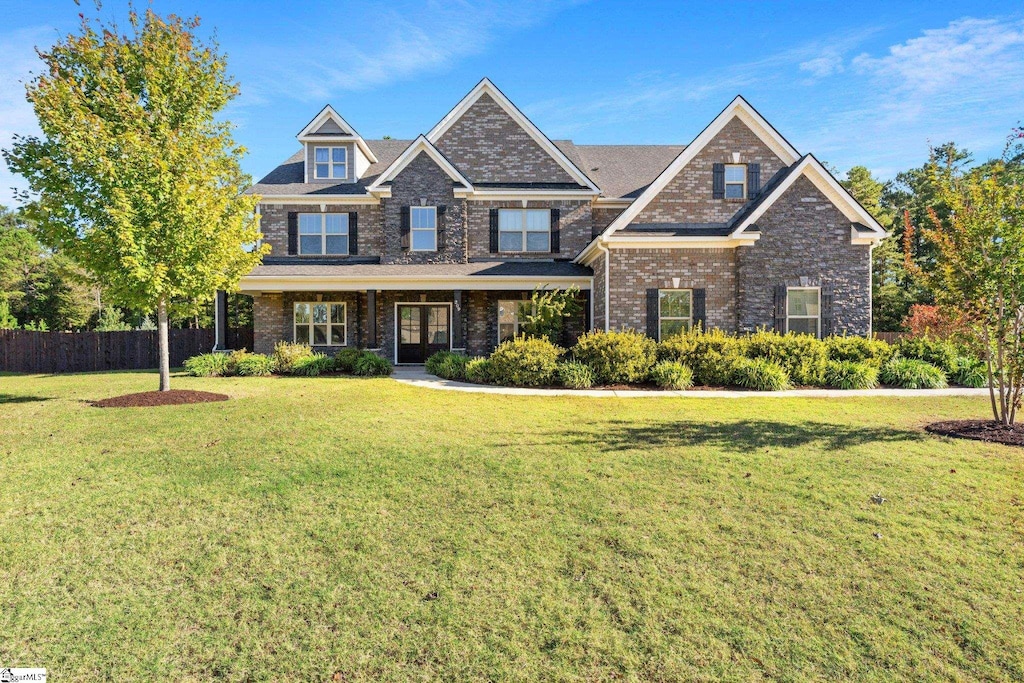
(675, 312)
(524, 230)
(423, 226)
(735, 181)
(320, 323)
(323, 233)
(330, 162)
(510, 316)
(803, 310)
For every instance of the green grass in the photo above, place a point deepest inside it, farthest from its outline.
(305, 528)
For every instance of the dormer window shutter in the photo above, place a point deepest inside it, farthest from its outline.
(753, 180)
(718, 181)
(293, 233)
(442, 233)
(494, 232)
(353, 233)
(405, 228)
(556, 231)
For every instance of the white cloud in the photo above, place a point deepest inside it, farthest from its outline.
(17, 61)
(825, 65)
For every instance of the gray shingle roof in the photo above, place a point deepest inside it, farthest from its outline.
(482, 269)
(289, 179)
(677, 229)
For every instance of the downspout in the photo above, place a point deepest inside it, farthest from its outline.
(607, 268)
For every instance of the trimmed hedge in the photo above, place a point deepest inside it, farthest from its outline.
(525, 362)
(670, 374)
(848, 374)
(711, 355)
(804, 357)
(910, 373)
(874, 352)
(616, 357)
(575, 375)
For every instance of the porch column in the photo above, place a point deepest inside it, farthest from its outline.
(371, 319)
(458, 332)
(220, 321)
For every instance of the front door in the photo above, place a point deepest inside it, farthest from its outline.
(422, 331)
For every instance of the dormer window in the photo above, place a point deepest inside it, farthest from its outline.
(330, 163)
(735, 181)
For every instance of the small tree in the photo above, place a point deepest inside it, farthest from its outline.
(136, 179)
(544, 315)
(979, 272)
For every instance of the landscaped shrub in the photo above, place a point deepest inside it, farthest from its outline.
(345, 360)
(803, 356)
(370, 364)
(478, 370)
(287, 354)
(858, 350)
(910, 373)
(575, 375)
(709, 354)
(616, 357)
(670, 374)
(525, 361)
(760, 374)
(970, 372)
(312, 365)
(447, 365)
(848, 374)
(943, 354)
(208, 365)
(250, 364)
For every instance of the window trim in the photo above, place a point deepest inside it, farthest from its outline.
(689, 320)
(412, 230)
(523, 232)
(816, 318)
(330, 162)
(726, 183)
(309, 335)
(323, 233)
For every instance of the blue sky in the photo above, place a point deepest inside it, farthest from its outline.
(868, 83)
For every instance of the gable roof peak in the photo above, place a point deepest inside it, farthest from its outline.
(328, 113)
(420, 144)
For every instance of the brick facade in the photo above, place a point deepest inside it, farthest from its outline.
(424, 183)
(274, 225)
(805, 241)
(687, 197)
(574, 232)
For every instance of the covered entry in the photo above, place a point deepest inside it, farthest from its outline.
(423, 330)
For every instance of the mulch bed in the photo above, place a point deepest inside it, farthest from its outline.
(980, 430)
(148, 399)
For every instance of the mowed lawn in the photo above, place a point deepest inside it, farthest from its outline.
(383, 532)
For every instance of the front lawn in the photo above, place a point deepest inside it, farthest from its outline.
(384, 532)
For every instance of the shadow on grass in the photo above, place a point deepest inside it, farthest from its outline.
(14, 398)
(741, 436)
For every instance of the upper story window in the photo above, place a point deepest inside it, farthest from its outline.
(735, 181)
(423, 225)
(330, 163)
(524, 230)
(323, 233)
(675, 312)
(803, 310)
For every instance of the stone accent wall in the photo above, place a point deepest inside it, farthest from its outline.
(805, 241)
(274, 225)
(574, 219)
(488, 146)
(424, 183)
(633, 271)
(687, 197)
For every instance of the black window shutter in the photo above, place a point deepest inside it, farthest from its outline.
(780, 309)
(700, 314)
(441, 232)
(718, 181)
(293, 233)
(556, 231)
(827, 311)
(405, 228)
(494, 231)
(353, 232)
(652, 313)
(753, 180)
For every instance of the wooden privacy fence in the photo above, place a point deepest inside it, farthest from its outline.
(891, 337)
(27, 351)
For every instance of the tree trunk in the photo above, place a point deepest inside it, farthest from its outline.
(165, 356)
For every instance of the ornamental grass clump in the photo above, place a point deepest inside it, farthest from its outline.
(670, 374)
(447, 365)
(624, 357)
(910, 373)
(575, 375)
(525, 362)
(313, 365)
(370, 364)
(848, 374)
(208, 365)
(760, 375)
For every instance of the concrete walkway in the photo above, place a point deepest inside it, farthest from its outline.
(418, 377)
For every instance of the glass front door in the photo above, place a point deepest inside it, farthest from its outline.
(423, 330)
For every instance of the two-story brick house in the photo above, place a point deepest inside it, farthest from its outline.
(410, 246)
